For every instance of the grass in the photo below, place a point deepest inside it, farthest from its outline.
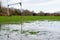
(15, 30)
(17, 19)
(30, 32)
(33, 33)
(9, 19)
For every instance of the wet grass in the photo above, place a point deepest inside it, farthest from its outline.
(30, 32)
(15, 30)
(17, 19)
(24, 31)
(4, 29)
(33, 33)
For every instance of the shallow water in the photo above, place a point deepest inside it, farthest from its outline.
(36, 30)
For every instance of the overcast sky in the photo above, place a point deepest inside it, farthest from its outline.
(36, 5)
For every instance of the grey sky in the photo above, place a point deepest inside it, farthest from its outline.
(36, 5)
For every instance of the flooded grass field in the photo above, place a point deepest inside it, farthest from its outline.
(35, 30)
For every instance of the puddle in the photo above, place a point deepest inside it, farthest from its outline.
(36, 30)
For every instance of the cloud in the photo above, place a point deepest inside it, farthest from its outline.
(37, 5)
(51, 6)
(39, 1)
(26, 0)
(42, 3)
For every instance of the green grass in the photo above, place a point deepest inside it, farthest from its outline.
(33, 33)
(15, 30)
(9, 19)
(17, 19)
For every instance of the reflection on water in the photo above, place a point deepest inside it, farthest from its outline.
(37, 30)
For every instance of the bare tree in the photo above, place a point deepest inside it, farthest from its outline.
(0, 4)
(41, 13)
(0, 9)
(27, 13)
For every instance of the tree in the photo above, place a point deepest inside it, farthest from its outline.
(0, 4)
(26, 13)
(34, 14)
(17, 12)
(41, 13)
(0, 8)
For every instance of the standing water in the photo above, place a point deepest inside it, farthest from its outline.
(36, 30)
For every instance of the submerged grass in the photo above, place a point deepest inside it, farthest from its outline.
(17, 19)
(15, 30)
(30, 32)
(33, 33)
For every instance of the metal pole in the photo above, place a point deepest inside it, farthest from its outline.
(8, 20)
(21, 19)
(7, 8)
